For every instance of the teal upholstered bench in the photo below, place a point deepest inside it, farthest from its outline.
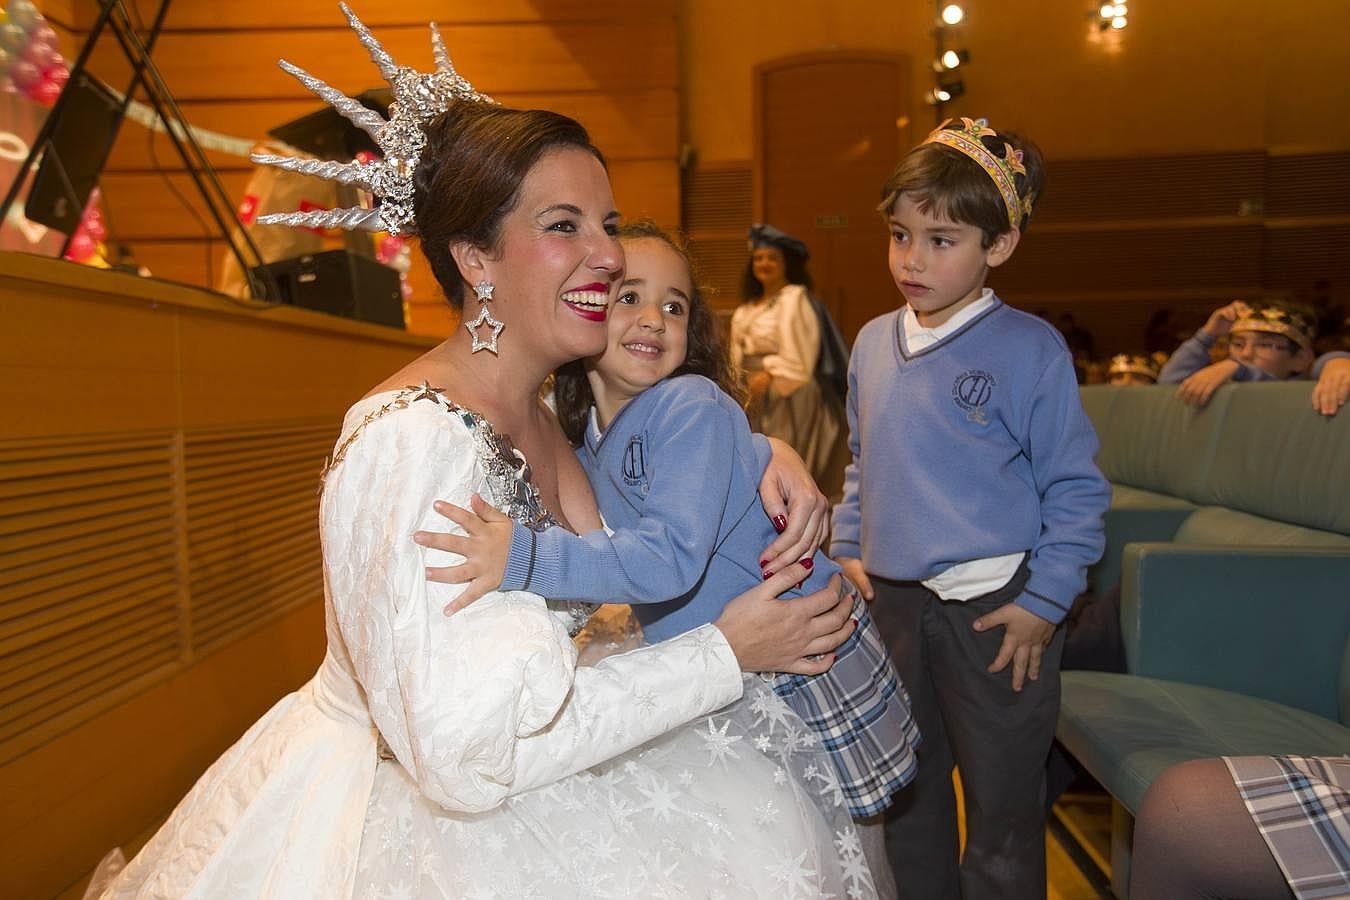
(1232, 529)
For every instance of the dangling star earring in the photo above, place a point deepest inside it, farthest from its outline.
(483, 290)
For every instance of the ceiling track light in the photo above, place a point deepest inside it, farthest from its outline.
(952, 14)
(951, 59)
(1113, 15)
(945, 93)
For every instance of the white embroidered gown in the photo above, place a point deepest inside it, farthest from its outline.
(469, 756)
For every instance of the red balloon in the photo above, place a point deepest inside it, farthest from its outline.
(45, 92)
(56, 73)
(82, 248)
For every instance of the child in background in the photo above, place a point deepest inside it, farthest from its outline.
(1266, 342)
(971, 512)
(675, 470)
(1132, 368)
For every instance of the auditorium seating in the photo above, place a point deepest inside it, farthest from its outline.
(1229, 534)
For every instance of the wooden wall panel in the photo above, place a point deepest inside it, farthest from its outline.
(505, 58)
(253, 15)
(1115, 240)
(632, 124)
(175, 454)
(610, 64)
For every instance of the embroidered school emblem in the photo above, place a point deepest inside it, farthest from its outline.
(634, 461)
(971, 391)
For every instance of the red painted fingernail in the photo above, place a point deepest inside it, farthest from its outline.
(767, 574)
(780, 524)
(807, 563)
(763, 563)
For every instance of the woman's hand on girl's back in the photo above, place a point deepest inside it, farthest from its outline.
(798, 509)
(798, 634)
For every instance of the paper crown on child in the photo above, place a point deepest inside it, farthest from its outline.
(1133, 364)
(1278, 320)
(762, 235)
(968, 140)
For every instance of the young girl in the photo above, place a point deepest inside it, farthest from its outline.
(675, 467)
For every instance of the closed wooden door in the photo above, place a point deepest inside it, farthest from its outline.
(829, 128)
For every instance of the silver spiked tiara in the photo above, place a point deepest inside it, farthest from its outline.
(418, 98)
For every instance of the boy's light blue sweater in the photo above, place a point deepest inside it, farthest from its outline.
(975, 447)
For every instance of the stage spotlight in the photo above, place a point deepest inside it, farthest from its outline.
(952, 14)
(950, 60)
(944, 93)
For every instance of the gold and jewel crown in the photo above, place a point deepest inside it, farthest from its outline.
(1276, 320)
(418, 98)
(1133, 364)
(967, 140)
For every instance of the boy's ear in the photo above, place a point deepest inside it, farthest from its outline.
(1003, 247)
(1303, 361)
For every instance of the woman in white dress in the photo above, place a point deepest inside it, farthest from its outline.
(467, 755)
(776, 342)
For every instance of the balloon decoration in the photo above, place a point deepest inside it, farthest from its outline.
(32, 66)
(30, 63)
(86, 244)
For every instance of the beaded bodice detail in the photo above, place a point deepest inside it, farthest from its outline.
(509, 486)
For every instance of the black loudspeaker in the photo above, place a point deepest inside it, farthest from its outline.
(337, 282)
(79, 146)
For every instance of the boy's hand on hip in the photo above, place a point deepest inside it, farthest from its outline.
(1025, 637)
(854, 572)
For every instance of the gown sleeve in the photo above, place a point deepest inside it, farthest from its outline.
(489, 702)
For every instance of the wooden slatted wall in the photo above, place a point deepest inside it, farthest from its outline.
(609, 63)
(160, 574)
(1114, 240)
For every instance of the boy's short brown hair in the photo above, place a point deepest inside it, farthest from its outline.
(948, 184)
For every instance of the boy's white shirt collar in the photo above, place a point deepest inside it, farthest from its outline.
(917, 337)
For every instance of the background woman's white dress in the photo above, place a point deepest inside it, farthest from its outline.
(469, 756)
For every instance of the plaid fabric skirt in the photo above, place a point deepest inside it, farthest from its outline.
(1301, 805)
(859, 710)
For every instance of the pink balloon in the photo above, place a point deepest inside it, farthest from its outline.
(92, 223)
(45, 92)
(82, 248)
(39, 55)
(25, 74)
(56, 74)
(44, 34)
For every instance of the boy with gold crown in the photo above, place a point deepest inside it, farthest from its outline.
(1132, 368)
(971, 511)
(1270, 341)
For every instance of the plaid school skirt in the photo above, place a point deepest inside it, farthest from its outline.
(1301, 805)
(859, 710)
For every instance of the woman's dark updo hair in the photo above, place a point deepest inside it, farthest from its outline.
(469, 176)
(794, 270)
